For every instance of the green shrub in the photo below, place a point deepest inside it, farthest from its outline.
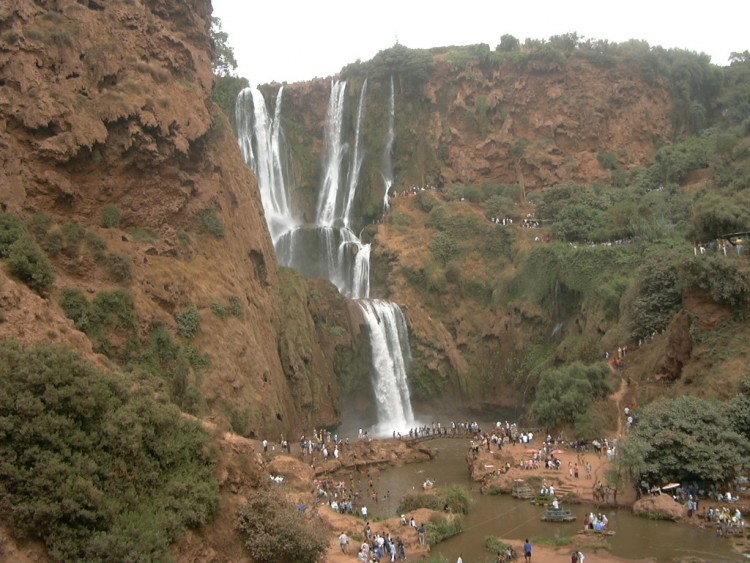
(77, 308)
(275, 531)
(93, 470)
(416, 500)
(54, 242)
(188, 322)
(111, 217)
(11, 229)
(212, 223)
(726, 281)
(235, 306)
(96, 243)
(444, 247)
(110, 321)
(30, 264)
(444, 526)
(142, 235)
(426, 201)
(39, 225)
(184, 238)
(219, 310)
(456, 499)
(73, 234)
(495, 544)
(120, 267)
(172, 363)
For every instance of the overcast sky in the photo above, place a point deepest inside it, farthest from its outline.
(295, 40)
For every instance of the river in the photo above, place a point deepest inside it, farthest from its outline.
(506, 517)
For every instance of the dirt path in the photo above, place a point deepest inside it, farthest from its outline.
(618, 397)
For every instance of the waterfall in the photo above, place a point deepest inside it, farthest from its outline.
(335, 149)
(390, 357)
(329, 248)
(388, 152)
(356, 161)
(260, 139)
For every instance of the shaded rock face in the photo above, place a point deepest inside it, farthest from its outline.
(663, 507)
(108, 105)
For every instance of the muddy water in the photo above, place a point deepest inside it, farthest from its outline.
(506, 517)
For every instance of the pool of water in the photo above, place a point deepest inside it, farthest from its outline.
(506, 517)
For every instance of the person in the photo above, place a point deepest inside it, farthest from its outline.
(344, 539)
(581, 556)
(422, 534)
(527, 550)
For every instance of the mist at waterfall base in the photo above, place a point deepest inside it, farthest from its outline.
(328, 247)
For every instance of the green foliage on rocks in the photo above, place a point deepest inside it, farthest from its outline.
(563, 393)
(30, 264)
(94, 470)
(26, 259)
(686, 439)
(275, 531)
(455, 498)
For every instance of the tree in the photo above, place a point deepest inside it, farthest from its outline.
(715, 215)
(223, 62)
(685, 439)
(508, 43)
(578, 222)
(275, 531)
(565, 392)
(97, 470)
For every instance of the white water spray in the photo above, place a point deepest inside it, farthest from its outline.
(388, 152)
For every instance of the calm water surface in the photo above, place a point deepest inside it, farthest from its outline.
(506, 517)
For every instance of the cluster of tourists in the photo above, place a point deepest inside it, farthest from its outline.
(728, 521)
(414, 190)
(503, 221)
(596, 522)
(376, 547)
(720, 246)
(351, 498)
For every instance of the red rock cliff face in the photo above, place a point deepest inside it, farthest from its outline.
(107, 103)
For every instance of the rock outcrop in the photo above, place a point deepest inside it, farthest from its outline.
(660, 507)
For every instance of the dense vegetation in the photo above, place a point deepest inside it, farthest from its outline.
(275, 531)
(95, 468)
(689, 440)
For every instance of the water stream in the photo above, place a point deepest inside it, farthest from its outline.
(506, 517)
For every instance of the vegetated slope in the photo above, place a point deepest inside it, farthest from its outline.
(129, 178)
(620, 156)
(133, 233)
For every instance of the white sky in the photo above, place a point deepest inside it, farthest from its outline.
(296, 40)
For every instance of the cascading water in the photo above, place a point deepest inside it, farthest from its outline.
(388, 152)
(328, 202)
(329, 248)
(356, 161)
(389, 339)
(260, 142)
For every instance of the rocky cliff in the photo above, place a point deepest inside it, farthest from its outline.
(106, 120)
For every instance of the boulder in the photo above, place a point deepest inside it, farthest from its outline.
(662, 507)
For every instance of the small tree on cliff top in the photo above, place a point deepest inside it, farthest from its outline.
(223, 62)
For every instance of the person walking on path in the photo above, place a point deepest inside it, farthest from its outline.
(527, 551)
(344, 539)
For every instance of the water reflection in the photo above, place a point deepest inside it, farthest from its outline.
(506, 517)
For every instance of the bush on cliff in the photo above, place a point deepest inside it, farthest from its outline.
(275, 531)
(94, 470)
